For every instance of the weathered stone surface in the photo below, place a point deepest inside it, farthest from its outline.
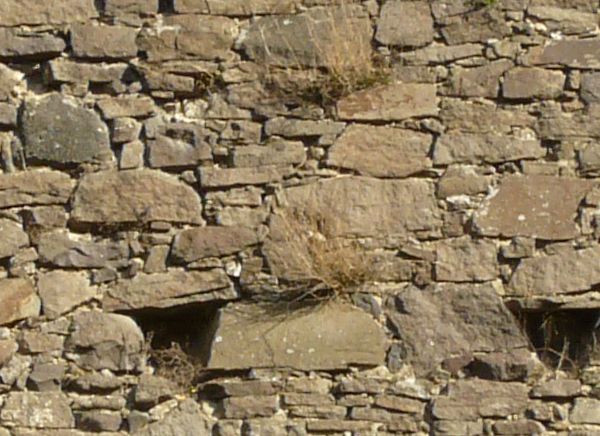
(18, 300)
(293, 128)
(48, 410)
(99, 420)
(221, 177)
(345, 336)
(481, 25)
(236, 7)
(313, 38)
(12, 237)
(62, 291)
(470, 148)
(9, 80)
(120, 7)
(453, 320)
(8, 348)
(473, 399)
(466, 260)
(105, 341)
(440, 54)
(462, 180)
(566, 272)
(66, 70)
(173, 288)
(558, 388)
(275, 152)
(585, 411)
(527, 83)
(103, 42)
(564, 20)
(8, 113)
(481, 81)
(15, 43)
(515, 365)
(152, 389)
(561, 125)
(544, 207)
(167, 152)
(405, 24)
(380, 151)
(251, 406)
(58, 248)
(390, 103)
(126, 107)
(57, 130)
(590, 87)
(16, 12)
(571, 53)
(187, 419)
(212, 241)
(135, 196)
(517, 427)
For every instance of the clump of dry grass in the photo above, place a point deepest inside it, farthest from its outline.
(173, 363)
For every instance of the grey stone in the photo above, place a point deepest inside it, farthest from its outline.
(187, 419)
(99, 420)
(346, 336)
(454, 320)
(590, 87)
(236, 8)
(132, 155)
(466, 260)
(64, 70)
(520, 426)
(518, 248)
(157, 259)
(12, 238)
(441, 54)
(47, 376)
(47, 410)
(389, 103)
(558, 126)
(251, 406)
(483, 24)
(481, 81)
(18, 300)
(405, 24)
(152, 390)
(585, 411)
(571, 53)
(125, 130)
(527, 83)
(170, 289)
(212, 241)
(8, 113)
(179, 145)
(106, 341)
(33, 12)
(462, 180)
(15, 43)
(57, 130)
(543, 207)
(103, 42)
(274, 152)
(373, 151)
(134, 7)
(134, 196)
(214, 177)
(564, 20)
(515, 365)
(295, 128)
(559, 388)
(33, 188)
(62, 291)
(128, 106)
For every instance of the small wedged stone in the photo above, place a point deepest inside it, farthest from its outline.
(34, 12)
(18, 300)
(105, 341)
(389, 103)
(373, 151)
(543, 207)
(41, 410)
(57, 130)
(15, 43)
(345, 336)
(134, 196)
(170, 289)
(212, 241)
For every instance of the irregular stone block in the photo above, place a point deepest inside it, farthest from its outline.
(482, 24)
(520, 426)
(585, 411)
(528, 83)
(543, 207)
(135, 196)
(99, 420)
(468, 148)
(346, 336)
(16, 43)
(151, 390)
(462, 180)
(515, 365)
(12, 237)
(62, 291)
(405, 24)
(57, 130)
(128, 106)
(103, 42)
(33, 12)
(9, 80)
(179, 145)
(473, 399)
(559, 126)
(8, 348)
(236, 8)
(564, 20)
(559, 388)
(293, 128)
(274, 152)
(389, 103)
(66, 70)
(105, 341)
(466, 260)
(18, 300)
(170, 289)
(212, 241)
(43, 410)
(380, 151)
(457, 319)
(481, 81)
(57, 248)
(567, 272)
(221, 177)
(251, 406)
(441, 54)
(583, 53)
(134, 7)
(8, 113)
(590, 87)
(187, 419)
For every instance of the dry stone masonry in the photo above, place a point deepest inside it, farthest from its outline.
(299, 217)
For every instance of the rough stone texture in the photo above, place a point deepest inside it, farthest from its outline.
(38, 410)
(174, 288)
(105, 341)
(452, 320)
(585, 411)
(566, 272)
(16, 12)
(18, 300)
(374, 151)
(481, 81)
(135, 196)
(187, 419)
(466, 260)
(345, 336)
(405, 24)
(61, 291)
(575, 54)
(224, 177)
(275, 152)
(212, 241)
(235, 7)
(389, 103)
(12, 238)
(527, 83)
(103, 42)
(57, 130)
(15, 43)
(112, 108)
(543, 207)
(121, 7)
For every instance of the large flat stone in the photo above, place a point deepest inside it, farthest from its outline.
(135, 196)
(29, 188)
(135, 7)
(544, 207)
(248, 337)
(57, 130)
(66, 70)
(470, 148)
(481, 81)
(566, 272)
(275, 152)
(61, 291)
(389, 103)
(103, 42)
(528, 83)
(212, 241)
(466, 260)
(18, 300)
(12, 237)
(42, 410)
(448, 321)
(16, 43)
(17, 12)
(173, 288)
(380, 151)
(582, 53)
(405, 24)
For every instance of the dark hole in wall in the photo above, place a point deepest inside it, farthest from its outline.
(166, 6)
(563, 339)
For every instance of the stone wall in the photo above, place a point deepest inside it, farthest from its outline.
(442, 273)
